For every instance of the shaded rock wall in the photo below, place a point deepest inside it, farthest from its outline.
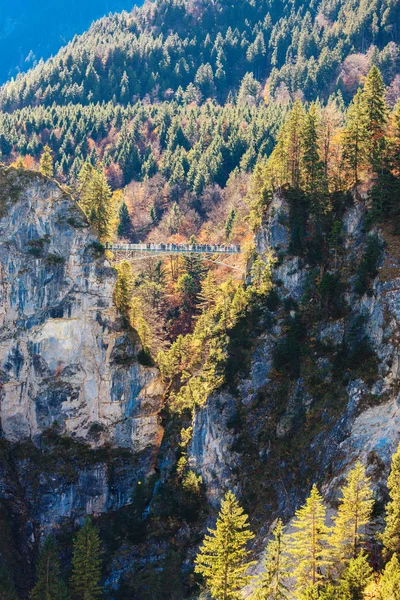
(292, 432)
(63, 355)
(66, 365)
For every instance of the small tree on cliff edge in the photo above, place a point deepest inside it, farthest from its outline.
(86, 564)
(46, 162)
(223, 559)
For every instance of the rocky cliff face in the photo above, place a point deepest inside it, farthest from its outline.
(64, 356)
(292, 429)
(368, 426)
(78, 413)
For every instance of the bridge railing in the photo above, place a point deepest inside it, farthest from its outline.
(177, 248)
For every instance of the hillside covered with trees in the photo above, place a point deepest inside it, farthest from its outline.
(22, 43)
(167, 46)
(184, 93)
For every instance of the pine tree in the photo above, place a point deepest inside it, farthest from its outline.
(307, 547)
(356, 577)
(390, 580)
(284, 164)
(250, 88)
(311, 592)
(209, 292)
(86, 564)
(49, 584)
(354, 514)
(46, 162)
(7, 587)
(193, 263)
(313, 173)
(153, 215)
(85, 178)
(356, 139)
(292, 133)
(125, 223)
(391, 534)
(102, 206)
(229, 223)
(273, 582)
(223, 559)
(376, 110)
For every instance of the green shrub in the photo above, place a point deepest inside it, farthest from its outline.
(144, 357)
(36, 247)
(97, 248)
(54, 259)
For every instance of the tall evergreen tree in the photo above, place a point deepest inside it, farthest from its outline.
(273, 583)
(284, 164)
(229, 223)
(307, 547)
(313, 172)
(391, 534)
(46, 162)
(354, 514)
(376, 112)
(249, 89)
(125, 223)
(189, 283)
(102, 210)
(85, 177)
(223, 559)
(49, 584)
(209, 292)
(292, 140)
(86, 564)
(356, 139)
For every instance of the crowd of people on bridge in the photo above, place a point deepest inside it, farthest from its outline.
(196, 248)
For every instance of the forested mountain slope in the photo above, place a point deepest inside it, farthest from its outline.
(22, 42)
(154, 71)
(310, 47)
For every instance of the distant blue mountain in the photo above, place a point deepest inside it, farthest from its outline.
(32, 30)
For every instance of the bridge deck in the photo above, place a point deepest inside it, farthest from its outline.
(176, 248)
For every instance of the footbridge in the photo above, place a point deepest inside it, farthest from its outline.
(148, 250)
(175, 248)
